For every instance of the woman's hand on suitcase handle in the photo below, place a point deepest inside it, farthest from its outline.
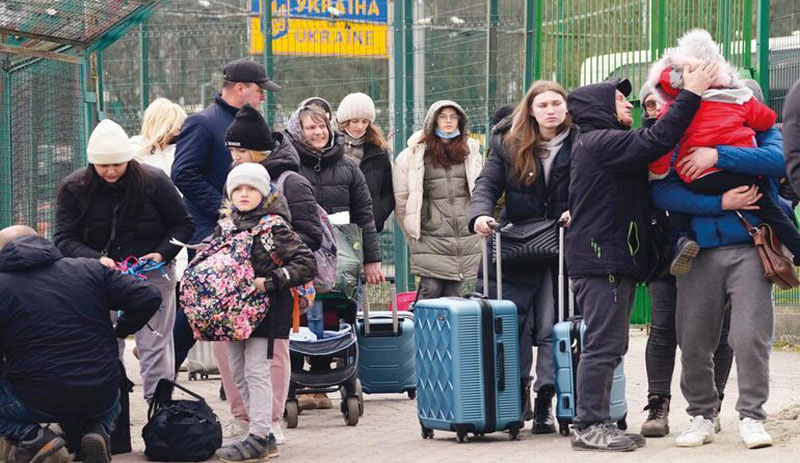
(563, 221)
(374, 273)
(484, 225)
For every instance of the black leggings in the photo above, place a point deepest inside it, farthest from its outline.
(769, 211)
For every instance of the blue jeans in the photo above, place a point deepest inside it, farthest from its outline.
(315, 318)
(17, 419)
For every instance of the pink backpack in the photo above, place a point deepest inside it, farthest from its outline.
(326, 254)
(218, 292)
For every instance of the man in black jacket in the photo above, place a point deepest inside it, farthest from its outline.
(60, 347)
(606, 244)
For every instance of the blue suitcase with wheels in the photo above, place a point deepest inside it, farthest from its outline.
(386, 352)
(467, 365)
(567, 348)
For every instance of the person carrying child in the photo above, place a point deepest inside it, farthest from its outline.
(256, 213)
(728, 115)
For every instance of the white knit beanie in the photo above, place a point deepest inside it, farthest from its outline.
(108, 144)
(356, 106)
(250, 174)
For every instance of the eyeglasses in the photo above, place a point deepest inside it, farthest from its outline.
(445, 117)
(651, 104)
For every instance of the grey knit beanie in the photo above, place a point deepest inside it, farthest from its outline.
(251, 174)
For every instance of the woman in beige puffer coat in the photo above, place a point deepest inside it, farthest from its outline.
(433, 181)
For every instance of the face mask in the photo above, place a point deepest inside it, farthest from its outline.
(448, 136)
(353, 136)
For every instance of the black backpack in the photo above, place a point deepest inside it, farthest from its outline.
(180, 430)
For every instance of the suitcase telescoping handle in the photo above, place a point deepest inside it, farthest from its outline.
(498, 266)
(393, 304)
(561, 279)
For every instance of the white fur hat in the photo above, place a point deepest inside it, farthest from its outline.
(354, 106)
(694, 47)
(108, 144)
(250, 174)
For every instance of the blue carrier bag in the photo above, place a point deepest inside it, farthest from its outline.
(467, 363)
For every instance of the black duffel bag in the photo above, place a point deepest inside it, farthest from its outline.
(180, 430)
(529, 240)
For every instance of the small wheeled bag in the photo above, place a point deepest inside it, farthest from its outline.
(180, 430)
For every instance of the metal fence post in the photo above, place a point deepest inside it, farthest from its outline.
(144, 68)
(266, 29)
(491, 98)
(6, 202)
(762, 32)
(399, 89)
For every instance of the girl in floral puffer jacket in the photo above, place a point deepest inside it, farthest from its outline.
(270, 259)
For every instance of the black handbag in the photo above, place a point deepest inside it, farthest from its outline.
(180, 430)
(530, 240)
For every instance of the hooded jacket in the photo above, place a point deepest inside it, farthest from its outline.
(299, 265)
(55, 330)
(162, 216)
(338, 184)
(609, 197)
(296, 189)
(791, 135)
(436, 228)
(202, 162)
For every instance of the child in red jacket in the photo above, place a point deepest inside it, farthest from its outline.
(728, 115)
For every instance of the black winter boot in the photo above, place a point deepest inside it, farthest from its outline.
(543, 421)
(525, 390)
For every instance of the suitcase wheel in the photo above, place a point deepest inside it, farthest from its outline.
(461, 436)
(351, 411)
(563, 428)
(192, 376)
(412, 394)
(292, 410)
(427, 433)
(513, 433)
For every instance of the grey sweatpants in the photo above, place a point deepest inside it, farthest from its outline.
(721, 276)
(155, 343)
(251, 372)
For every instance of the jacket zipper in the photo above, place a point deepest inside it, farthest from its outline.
(456, 228)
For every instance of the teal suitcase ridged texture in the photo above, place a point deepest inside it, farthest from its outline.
(468, 377)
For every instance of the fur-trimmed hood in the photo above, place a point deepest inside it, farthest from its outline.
(695, 47)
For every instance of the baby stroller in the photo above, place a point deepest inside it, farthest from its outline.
(339, 344)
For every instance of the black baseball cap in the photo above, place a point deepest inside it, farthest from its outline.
(245, 70)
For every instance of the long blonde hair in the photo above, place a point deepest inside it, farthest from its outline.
(524, 140)
(159, 120)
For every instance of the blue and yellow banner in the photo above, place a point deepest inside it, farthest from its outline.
(352, 28)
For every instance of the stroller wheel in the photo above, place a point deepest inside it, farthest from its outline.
(360, 394)
(351, 411)
(292, 411)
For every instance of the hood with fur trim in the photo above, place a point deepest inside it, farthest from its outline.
(695, 47)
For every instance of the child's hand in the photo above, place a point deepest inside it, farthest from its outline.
(699, 159)
(261, 284)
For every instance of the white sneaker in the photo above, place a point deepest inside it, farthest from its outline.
(753, 434)
(234, 430)
(699, 432)
(277, 431)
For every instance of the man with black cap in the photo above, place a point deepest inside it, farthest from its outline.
(606, 245)
(202, 160)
